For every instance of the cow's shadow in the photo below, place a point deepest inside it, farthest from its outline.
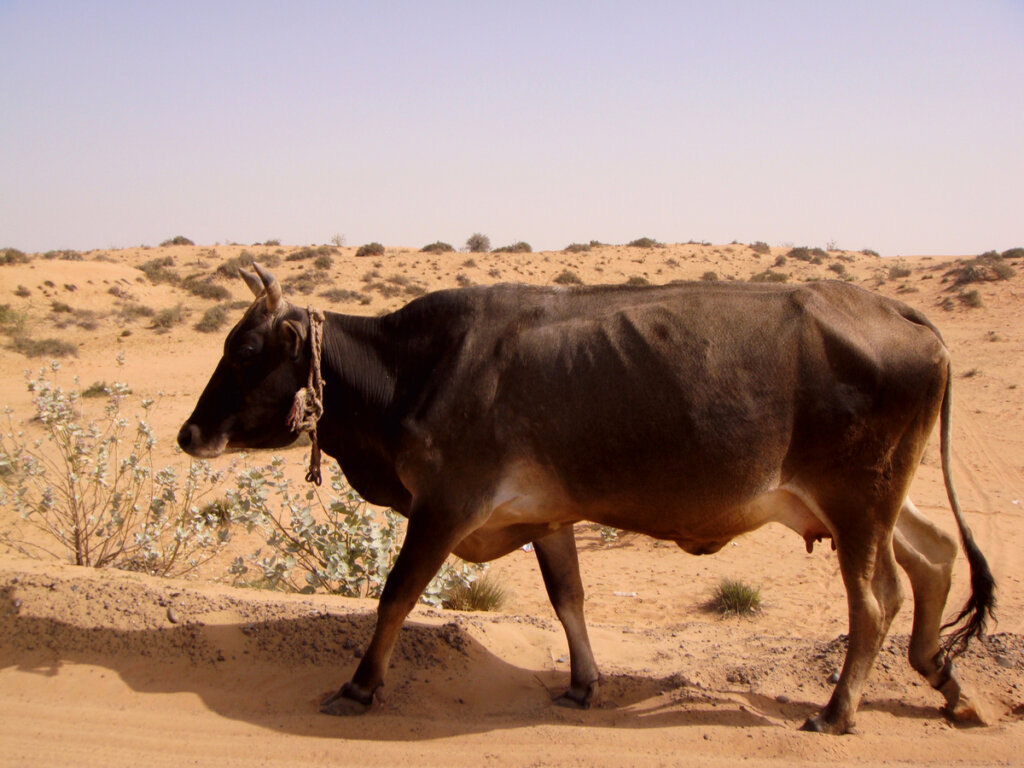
(442, 681)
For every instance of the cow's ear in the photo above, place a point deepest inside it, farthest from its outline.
(294, 337)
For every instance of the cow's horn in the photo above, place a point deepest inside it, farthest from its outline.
(253, 281)
(272, 287)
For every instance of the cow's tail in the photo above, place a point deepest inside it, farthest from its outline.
(980, 606)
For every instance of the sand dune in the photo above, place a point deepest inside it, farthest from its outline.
(115, 668)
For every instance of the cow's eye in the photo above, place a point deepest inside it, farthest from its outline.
(245, 354)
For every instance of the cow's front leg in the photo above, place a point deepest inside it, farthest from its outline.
(424, 551)
(559, 565)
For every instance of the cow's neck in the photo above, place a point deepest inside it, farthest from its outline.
(358, 367)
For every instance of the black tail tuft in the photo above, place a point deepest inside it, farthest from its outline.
(980, 607)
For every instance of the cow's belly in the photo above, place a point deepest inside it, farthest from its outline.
(529, 503)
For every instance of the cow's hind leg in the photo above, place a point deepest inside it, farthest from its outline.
(873, 593)
(559, 565)
(428, 542)
(927, 554)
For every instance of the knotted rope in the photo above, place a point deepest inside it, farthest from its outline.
(308, 406)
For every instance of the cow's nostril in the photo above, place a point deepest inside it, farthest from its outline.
(187, 435)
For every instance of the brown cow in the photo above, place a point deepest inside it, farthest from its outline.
(496, 416)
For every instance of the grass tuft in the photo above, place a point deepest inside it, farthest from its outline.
(732, 597)
(484, 594)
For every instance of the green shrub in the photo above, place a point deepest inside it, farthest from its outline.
(577, 247)
(370, 249)
(437, 247)
(166, 319)
(338, 545)
(971, 299)
(643, 242)
(132, 311)
(736, 598)
(760, 247)
(780, 260)
(92, 495)
(12, 256)
(520, 247)
(340, 295)
(11, 320)
(213, 319)
(205, 289)
(768, 276)
(484, 594)
(43, 347)
(157, 271)
(323, 261)
(568, 277)
(478, 243)
(839, 269)
(800, 253)
(179, 240)
(311, 253)
(898, 271)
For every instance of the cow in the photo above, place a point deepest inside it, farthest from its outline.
(496, 416)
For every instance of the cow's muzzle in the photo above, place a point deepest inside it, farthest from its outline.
(190, 438)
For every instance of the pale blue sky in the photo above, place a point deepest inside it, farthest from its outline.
(897, 126)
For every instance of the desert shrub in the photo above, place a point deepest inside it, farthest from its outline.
(709, 277)
(339, 545)
(307, 281)
(213, 319)
(469, 263)
(323, 261)
(736, 598)
(478, 243)
(96, 389)
(567, 277)
(131, 310)
(780, 260)
(91, 490)
(119, 293)
(60, 306)
(179, 240)
(577, 247)
(988, 267)
(644, 242)
(270, 243)
(898, 271)
(839, 269)
(483, 594)
(800, 253)
(370, 249)
(12, 256)
(49, 347)
(157, 271)
(63, 255)
(760, 247)
(11, 320)
(437, 247)
(607, 533)
(971, 299)
(341, 294)
(638, 280)
(204, 289)
(167, 318)
(311, 253)
(519, 247)
(1013, 253)
(463, 280)
(21, 291)
(769, 276)
(869, 252)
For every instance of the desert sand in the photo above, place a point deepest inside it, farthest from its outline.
(109, 668)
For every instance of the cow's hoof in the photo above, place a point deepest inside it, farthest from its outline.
(818, 724)
(577, 698)
(967, 712)
(349, 700)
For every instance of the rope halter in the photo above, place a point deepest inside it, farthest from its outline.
(308, 406)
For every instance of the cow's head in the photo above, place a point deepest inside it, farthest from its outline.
(266, 360)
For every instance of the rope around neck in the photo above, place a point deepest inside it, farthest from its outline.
(308, 405)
